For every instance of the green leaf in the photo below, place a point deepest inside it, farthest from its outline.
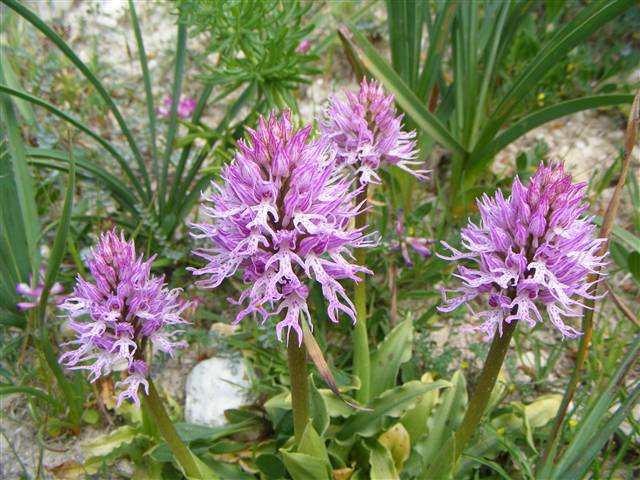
(585, 23)
(492, 465)
(444, 420)
(394, 350)
(23, 107)
(592, 449)
(23, 184)
(407, 100)
(319, 409)
(392, 403)
(313, 444)
(30, 391)
(271, 465)
(415, 420)
(633, 262)
(54, 159)
(482, 155)
(382, 466)
(592, 419)
(73, 398)
(305, 467)
(151, 111)
(181, 51)
(105, 444)
(80, 126)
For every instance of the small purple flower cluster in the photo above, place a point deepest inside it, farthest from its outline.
(533, 247)
(127, 308)
(186, 106)
(56, 293)
(407, 240)
(366, 131)
(282, 214)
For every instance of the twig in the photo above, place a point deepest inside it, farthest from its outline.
(624, 308)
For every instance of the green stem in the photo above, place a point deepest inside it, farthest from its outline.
(486, 382)
(297, 359)
(180, 451)
(361, 356)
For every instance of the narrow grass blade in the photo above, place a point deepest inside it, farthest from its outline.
(151, 111)
(588, 21)
(37, 22)
(438, 35)
(23, 183)
(181, 53)
(55, 259)
(601, 435)
(80, 126)
(481, 157)
(31, 391)
(55, 159)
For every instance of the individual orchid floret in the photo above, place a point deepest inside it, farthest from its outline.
(281, 215)
(304, 46)
(186, 107)
(532, 251)
(32, 295)
(117, 316)
(406, 239)
(366, 131)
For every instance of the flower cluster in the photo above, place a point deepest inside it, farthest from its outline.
(125, 309)
(32, 295)
(534, 247)
(403, 241)
(186, 106)
(282, 214)
(365, 131)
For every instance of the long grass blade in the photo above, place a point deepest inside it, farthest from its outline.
(37, 22)
(55, 259)
(55, 159)
(481, 157)
(146, 78)
(23, 183)
(80, 126)
(587, 22)
(181, 53)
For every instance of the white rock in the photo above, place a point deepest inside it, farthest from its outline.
(213, 386)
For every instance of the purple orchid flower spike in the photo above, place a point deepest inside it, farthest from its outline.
(365, 131)
(115, 317)
(32, 295)
(534, 249)
(407, 240)
(282, 215)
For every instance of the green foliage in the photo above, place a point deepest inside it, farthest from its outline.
(255, 43)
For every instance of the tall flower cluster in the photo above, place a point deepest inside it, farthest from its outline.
(115, 317)
(532, 251)
(281, 215)
(365, 131)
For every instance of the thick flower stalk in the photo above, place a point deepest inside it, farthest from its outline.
(532, 252)
(115, 317)
(365, 131)
(281, 216)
